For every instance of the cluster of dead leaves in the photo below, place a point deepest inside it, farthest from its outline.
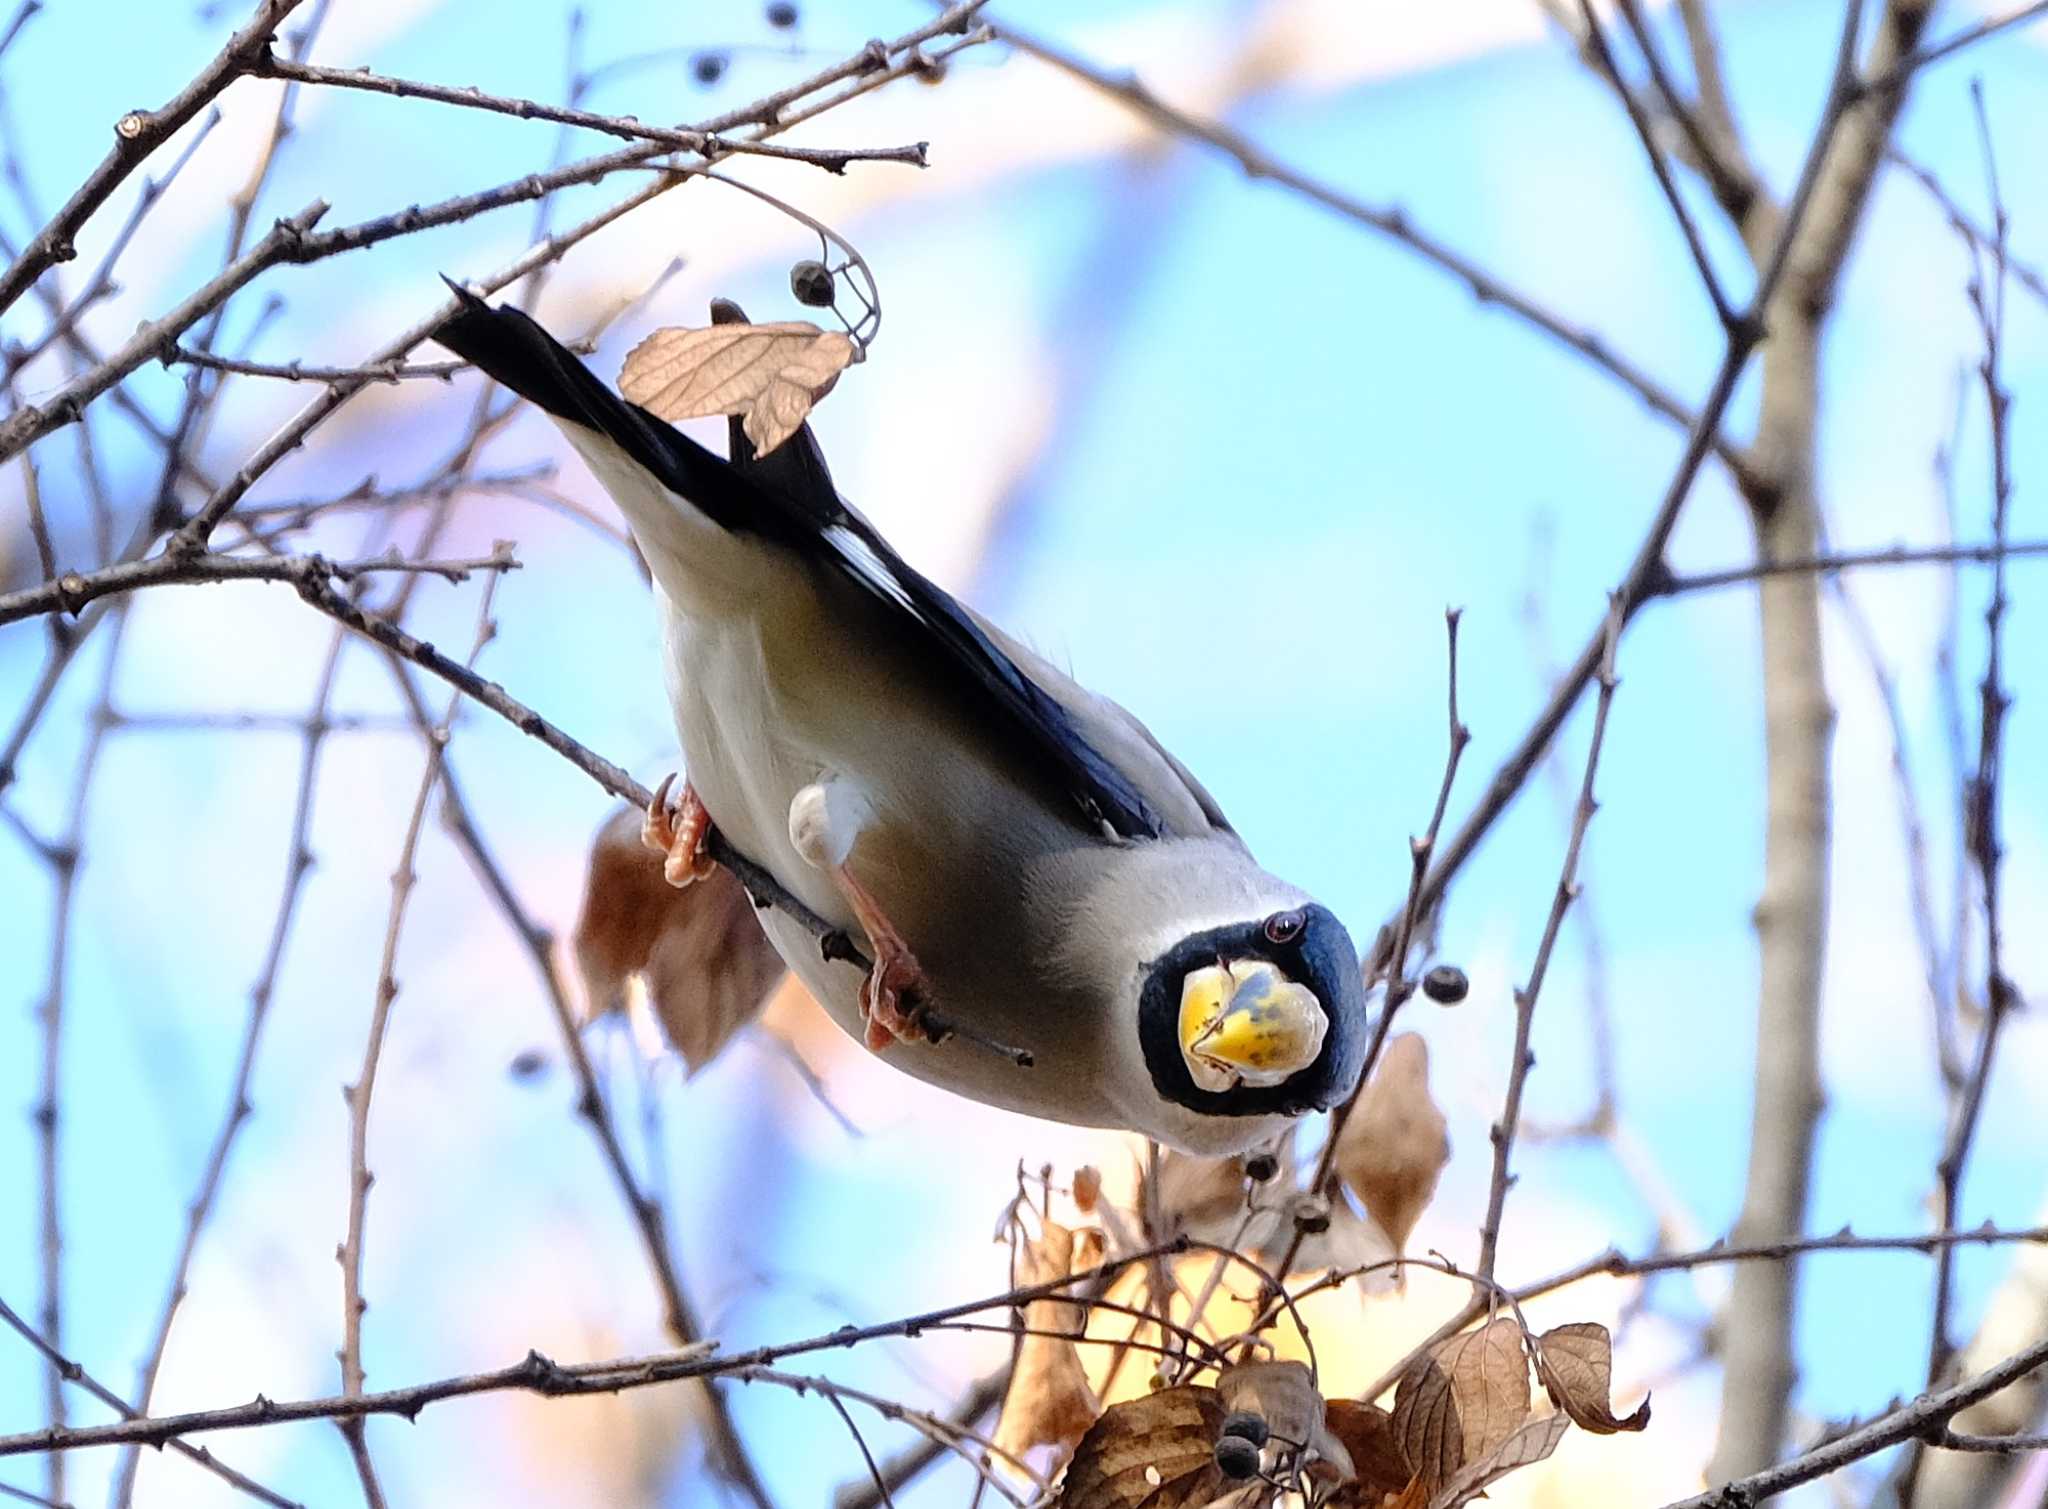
(1462, 1419)
(772, 374)
(707, 967)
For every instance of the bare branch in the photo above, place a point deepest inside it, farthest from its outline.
(1503, 1131)
(1925, 1417)
(537, 1374)
(72, 591)
(136, 135)
(1851, 560)
(63, 1367)
(710, 144)
(1391, 222)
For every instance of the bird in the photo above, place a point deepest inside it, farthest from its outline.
(1027, 865)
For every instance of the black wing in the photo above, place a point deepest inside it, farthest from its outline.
(788, 497)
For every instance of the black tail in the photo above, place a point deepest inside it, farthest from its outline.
(507, 345)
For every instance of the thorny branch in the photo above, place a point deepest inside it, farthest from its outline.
(1503, 1131)
(1981, 794)
(538, 1374)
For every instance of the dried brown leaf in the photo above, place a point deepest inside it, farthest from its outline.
(1576, 1366)
(1533, 1440)
(1379, 1467)
(1460, 1402)
(708, 967)
(1285, 1396)
(1087, 1187)
(1394, 1146)
(1050, 1401)
(772, 374)
(1157, 1451)
(1490, 1381)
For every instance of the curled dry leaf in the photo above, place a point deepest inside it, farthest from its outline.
(1394, 1145)
(1576, 1365)
(1157, 1451)
(1050, 1402)
(1531, 1441)
(1284, 1395)
(1462, 1400)
(707, 965)
(772, 374)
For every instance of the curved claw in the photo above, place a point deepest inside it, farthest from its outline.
(679, 833)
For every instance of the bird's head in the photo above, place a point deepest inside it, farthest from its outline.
(1256, 1018)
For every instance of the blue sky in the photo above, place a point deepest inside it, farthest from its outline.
(1269, 449)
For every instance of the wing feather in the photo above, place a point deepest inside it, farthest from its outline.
(788, 497)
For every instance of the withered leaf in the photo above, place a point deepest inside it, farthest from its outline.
(1576, 1365)
(706, 963)
(1457, 1404)
(1394, 1146)
(1378, 1465)
(1284, 1395)
(1050, 1402)
(1157, 1451)
(1490, 1383)
(1533, 1440)
(1087, 1187)
(772, 374)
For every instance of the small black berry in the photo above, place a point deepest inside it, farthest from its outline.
(1446, 985)
(1245, 1424)
(782, 15)
(811, 281)
(1260, 1167)
(1237, 1457)
(709, 67)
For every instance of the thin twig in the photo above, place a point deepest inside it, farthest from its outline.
(1981, 797)
(1925, 1417)
(710, 144)
(1603, 58)
(537, 1374)
(1503, 1131)
(314, 728)
(1388, 221)
(136, 135)
(71, 592)
(1990, 554)
(385, 372)
(71, 1372)
(1393, 966)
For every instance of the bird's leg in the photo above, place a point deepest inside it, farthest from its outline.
(890, 995)
(825, 819)
(679, 833)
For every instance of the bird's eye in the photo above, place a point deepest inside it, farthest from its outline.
(1285, 927)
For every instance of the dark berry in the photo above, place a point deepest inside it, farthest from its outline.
(1246, 1425)
(1237, 1457)
(1260, 1167)
(811, 281)
(782, 15)
(1446, 985)
(709, 67)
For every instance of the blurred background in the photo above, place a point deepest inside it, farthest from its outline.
(1188, 434)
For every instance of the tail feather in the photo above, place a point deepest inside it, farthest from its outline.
(507, 345)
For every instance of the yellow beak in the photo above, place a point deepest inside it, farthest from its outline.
(1245, 1023)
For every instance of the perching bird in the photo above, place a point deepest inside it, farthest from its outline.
(1021, 856)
